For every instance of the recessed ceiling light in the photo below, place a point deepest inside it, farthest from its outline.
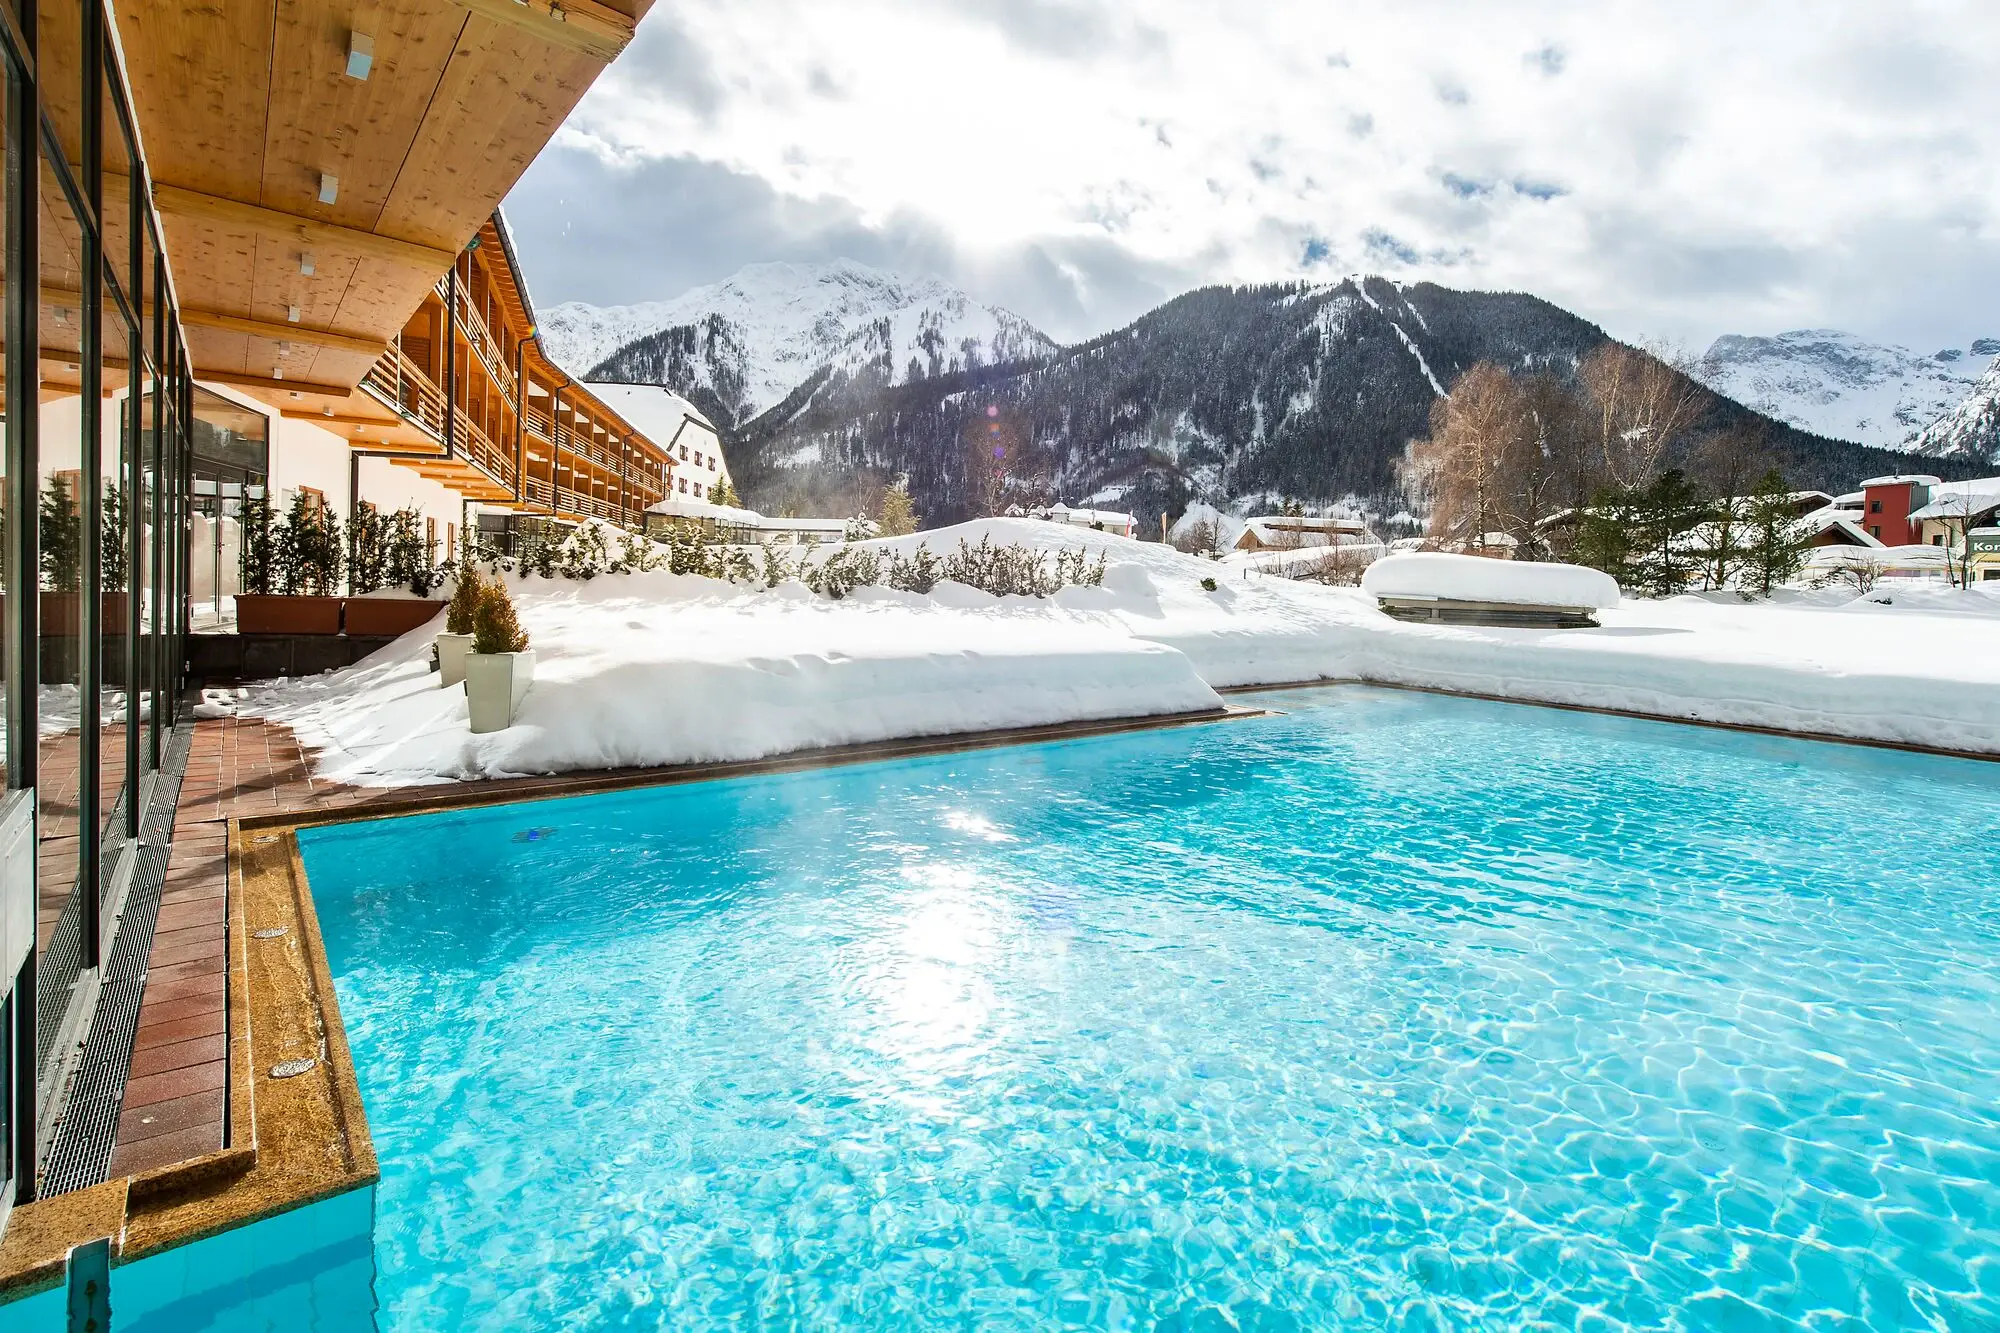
(329, 187)
(306, 263)
(360, 55)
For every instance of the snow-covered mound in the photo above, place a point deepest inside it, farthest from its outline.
(1440, 575)
(650, 669)
(1833, 383)
(757, 335)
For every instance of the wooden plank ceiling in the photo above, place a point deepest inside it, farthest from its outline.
(246, 108)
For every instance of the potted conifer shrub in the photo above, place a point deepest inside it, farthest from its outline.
(500, 668)
(62, 559)
(303, 558)
(459, 615)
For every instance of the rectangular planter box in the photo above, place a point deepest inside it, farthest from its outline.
(62, 612)
(452, 650)
(391, 616)
(494, 686)
(260, 614)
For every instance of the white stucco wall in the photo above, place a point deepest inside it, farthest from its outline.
(304, 453)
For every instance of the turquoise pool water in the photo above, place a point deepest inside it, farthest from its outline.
(1392, 1011)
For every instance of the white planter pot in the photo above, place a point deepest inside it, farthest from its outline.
(494, 685)
(452, 651)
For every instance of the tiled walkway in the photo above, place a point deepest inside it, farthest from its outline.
(174, 1097)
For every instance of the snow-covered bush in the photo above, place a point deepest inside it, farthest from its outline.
(592, 549)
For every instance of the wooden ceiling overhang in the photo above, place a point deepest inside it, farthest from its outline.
(306, 211)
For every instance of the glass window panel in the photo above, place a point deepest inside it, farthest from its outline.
(60, 520)
(146, 586)
(114, 582)
(59, 70)
(232, 450)
(8, 446)
(116, 224)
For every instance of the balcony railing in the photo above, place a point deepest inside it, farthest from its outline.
(477, 336)
(396, 379)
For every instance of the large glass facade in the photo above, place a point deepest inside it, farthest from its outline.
(94, 413)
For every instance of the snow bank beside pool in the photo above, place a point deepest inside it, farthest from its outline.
(656, 669)
(652, 669)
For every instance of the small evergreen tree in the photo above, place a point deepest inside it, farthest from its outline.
(308, 549)
(1607, 534)
(494, 626)
(1669, 508)
(111, 539)
(257, 548)
(61, 537)
(367, 549)
(1776, 543)
(722, 493)
(460, 612)
(897, 517)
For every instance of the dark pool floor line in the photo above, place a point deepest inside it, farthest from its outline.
(1783, 733)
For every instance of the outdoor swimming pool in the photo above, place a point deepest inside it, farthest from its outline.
(1395, 1006)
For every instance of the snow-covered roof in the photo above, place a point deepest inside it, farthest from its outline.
(659, 413)
(676, 507)
(1277, 529)
(1902, 479)
(1109, 518)
(730, 516)
(1819, 520)
(514, 262)
(1957, 499)
(1309, 522)
(1851, 500)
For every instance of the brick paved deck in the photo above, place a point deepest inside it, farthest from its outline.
(174, 1097)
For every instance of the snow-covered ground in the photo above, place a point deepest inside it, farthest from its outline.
(656, 669)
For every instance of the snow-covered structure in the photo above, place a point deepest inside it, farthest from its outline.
(1283, 532)
(677, 426)
(748, 527)
(1098, 520)
(1475, 590)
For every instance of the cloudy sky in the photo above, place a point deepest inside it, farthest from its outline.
(1671, 170)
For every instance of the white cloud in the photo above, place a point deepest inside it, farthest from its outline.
(1676, 169)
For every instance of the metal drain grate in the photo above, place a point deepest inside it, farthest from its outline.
(81, 1153)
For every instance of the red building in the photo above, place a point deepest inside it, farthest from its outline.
(1887, 503)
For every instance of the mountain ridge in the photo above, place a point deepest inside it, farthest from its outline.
(738, 346)
(1842, 386)
(1231, 395)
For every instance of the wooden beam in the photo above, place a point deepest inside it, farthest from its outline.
(291, 333)
(175, 202)
(264, 382)
(594, 29)
(369, 423)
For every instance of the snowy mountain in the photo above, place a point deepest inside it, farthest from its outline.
(1970, 430)
(1836, 384)
(1234, 396)
(740, 346)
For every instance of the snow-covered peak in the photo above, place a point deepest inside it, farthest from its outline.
(1834, 383)
(1972, 428)
(765, 329)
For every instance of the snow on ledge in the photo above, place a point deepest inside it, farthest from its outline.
(1441, 576)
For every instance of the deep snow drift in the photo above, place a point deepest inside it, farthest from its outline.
(650, 669)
